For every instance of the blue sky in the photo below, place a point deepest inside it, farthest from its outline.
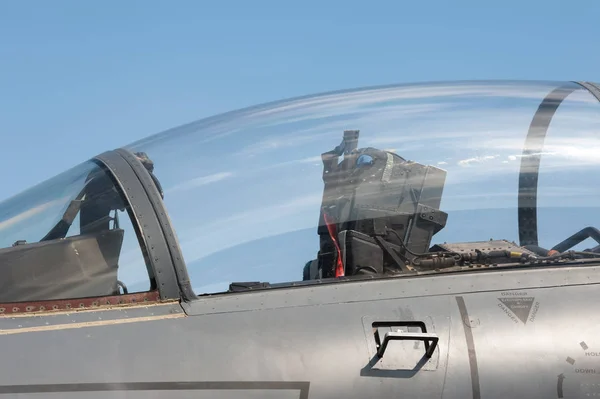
(78, 78)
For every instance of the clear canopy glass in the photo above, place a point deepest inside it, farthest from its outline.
(368, 182)
(245, 189)
(70, 237)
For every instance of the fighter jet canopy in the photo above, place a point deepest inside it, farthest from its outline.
(376, 182)
(516, 161)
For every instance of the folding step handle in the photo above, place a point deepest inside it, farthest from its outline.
(430, 339)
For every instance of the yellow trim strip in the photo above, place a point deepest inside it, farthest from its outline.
(98, 323)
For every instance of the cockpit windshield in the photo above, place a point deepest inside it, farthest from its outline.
(69, 237)
(384, 181)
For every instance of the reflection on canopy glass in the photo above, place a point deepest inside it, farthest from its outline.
(376, 182)
(251, 198)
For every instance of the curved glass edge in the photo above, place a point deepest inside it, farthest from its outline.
(358, 96)
(70, 237)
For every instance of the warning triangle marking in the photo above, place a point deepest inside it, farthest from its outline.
(520, 306)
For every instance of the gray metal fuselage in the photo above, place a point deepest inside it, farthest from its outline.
(521, 333)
